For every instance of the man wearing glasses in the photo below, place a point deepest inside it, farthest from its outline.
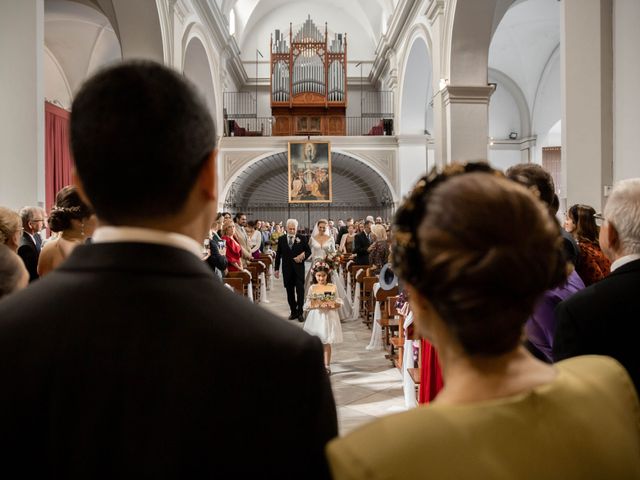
(31, 242)
(602, 318)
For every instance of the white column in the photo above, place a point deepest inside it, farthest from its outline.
(413, 160)
(626, 88)
(587, 74)
(21, 103)
(435, 15)
(466, 113)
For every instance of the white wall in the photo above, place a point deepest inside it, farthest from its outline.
(504, 115)
(547, 110)
(413, 163)
(503, 159)
(22, 103)
(55, 87)
(626, 87)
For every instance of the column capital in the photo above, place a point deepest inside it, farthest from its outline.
(467, 94)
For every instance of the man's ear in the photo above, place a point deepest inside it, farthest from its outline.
(613, 238)
(78, 183)
(208, 177)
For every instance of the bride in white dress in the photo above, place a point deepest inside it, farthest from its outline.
(322, 245)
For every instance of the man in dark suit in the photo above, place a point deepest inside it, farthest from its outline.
(293, 250)
(361, 244)
(603, 318)
(31, 242)
(117, 364)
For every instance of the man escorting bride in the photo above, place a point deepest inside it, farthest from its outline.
(323, 247)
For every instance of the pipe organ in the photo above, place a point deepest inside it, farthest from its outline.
(308, 81)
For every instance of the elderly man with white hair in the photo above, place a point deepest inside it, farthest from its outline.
(293, 250)
(602, 319)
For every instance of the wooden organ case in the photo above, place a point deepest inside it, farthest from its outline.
(308, 82)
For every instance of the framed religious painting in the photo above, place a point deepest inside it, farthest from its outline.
(310, 172)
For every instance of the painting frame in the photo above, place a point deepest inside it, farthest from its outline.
(309, 178)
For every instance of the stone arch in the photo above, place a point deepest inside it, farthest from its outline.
(197, 66)
(469, 27)
(260, 187)
(416, 86)
(516, 92)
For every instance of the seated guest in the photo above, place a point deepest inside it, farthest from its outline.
(31, 242)
(118, 363)
(10, 228)
(472, 281)
(13, 273)
(74, 222)
(592, 265)
(254, 238)
(234, 250)
(217, 255)
(603, 318)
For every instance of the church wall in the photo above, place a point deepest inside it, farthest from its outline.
(55, 85)
(626, 88)
(547, 110)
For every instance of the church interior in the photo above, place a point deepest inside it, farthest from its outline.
(379, 91)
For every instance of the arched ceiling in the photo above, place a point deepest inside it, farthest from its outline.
(265, 182)
(525, 41)
(80, 38)
(368, 15)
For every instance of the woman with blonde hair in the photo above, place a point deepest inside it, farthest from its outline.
(473, 280)
(73, 221)
(10, 228)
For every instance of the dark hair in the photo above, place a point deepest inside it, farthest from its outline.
(237, 217)
(586, 228)
(320, 267)
(252, 223)
(69, 206)
(482, 275)
(140, 135)
(533, 175)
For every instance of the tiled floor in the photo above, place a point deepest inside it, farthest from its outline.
(365, 385)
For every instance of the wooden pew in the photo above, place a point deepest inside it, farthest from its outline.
(367, 299)
(236, 283)
(246, 279)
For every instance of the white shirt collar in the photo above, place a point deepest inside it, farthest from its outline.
(624, 260)
(110, 234)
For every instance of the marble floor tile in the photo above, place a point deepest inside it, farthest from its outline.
(365, 384)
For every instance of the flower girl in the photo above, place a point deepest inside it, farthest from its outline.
(322, 304)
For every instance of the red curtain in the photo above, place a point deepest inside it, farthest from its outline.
(57, 156)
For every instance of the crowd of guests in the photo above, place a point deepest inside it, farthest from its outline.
(129, 359)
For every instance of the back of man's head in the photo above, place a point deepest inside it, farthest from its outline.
(533, 175)
(623, 212)
(140, 135)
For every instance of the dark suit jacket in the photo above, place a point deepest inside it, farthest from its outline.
(290, 269)
(118, 365)
(29, 254)
(360, 245)
(341, 231)
(603, 319)
(215, 260)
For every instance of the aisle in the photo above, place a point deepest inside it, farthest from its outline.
(364, 383)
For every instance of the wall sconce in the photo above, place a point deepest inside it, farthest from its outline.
(513, 135)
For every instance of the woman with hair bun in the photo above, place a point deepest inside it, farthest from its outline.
(592, 264)
(73, 221)
(473, 280)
